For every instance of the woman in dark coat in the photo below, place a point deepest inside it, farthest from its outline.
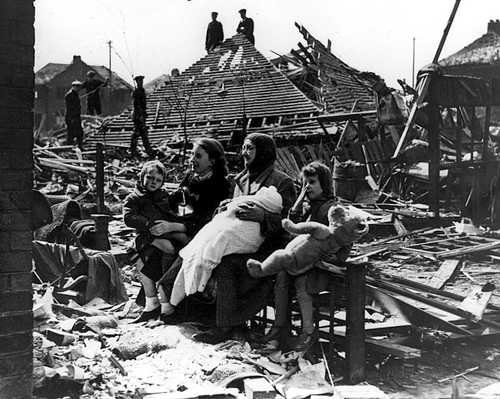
(203, 188)
(238, 295)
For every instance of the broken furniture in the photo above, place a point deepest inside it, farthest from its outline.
(353, 336)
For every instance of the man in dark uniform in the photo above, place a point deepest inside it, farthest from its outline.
(92, 86)
(246, 26)
(139, 116)
(72, 117)
(215, 34)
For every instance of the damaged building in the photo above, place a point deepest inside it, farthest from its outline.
(54, 80)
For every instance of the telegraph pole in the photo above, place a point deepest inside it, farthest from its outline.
(413, 66)
(109, 78)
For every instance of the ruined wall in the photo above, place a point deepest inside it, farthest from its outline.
(16, 119)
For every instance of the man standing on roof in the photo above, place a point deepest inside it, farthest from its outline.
(92, 86)
(72, 116)
(246, 26)
(215, 34)
(139, 116)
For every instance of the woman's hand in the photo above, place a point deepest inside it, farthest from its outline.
(250, 212)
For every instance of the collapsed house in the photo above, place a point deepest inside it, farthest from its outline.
(235, 91)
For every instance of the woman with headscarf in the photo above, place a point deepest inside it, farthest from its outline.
(238, 295)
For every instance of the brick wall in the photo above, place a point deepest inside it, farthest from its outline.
(16, 119)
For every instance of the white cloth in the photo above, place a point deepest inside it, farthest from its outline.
(224, 235)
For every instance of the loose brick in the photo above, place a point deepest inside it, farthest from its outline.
(15, 301)
(15, 281)
(17, 323)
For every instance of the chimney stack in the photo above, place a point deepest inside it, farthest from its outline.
(494, 26)
(77, 58)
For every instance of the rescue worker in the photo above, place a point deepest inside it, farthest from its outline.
(72, 116)
(92, 86)
(215, 34)
(139, 116)
(246, 26)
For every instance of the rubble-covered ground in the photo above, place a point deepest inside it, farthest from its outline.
(93, 351)
(129, 359)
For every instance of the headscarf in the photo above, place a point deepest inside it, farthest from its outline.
(215, 152)
(265, 153)
(324, 174)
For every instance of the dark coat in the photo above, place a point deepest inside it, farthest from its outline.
(215, 35)
(246, 27)
(92, 87)
(139, 97)
(72, 102)
(142, 208)
(204, 196)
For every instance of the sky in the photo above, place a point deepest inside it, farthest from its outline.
(150, 37)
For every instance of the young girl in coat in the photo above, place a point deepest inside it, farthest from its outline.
(313, 204)
(159, 233)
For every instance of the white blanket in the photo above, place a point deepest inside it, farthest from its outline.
(224, 235)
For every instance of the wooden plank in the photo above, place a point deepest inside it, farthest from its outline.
(298, 155)
(378, 345)
(477, 300)
(283, 161)
(292, 160)
(433, 302)
(355, 347)
(444, 273)
(399, 305)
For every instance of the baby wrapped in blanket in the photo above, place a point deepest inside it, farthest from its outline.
(225, 234)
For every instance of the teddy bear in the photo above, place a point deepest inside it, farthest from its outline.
(314, 242)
